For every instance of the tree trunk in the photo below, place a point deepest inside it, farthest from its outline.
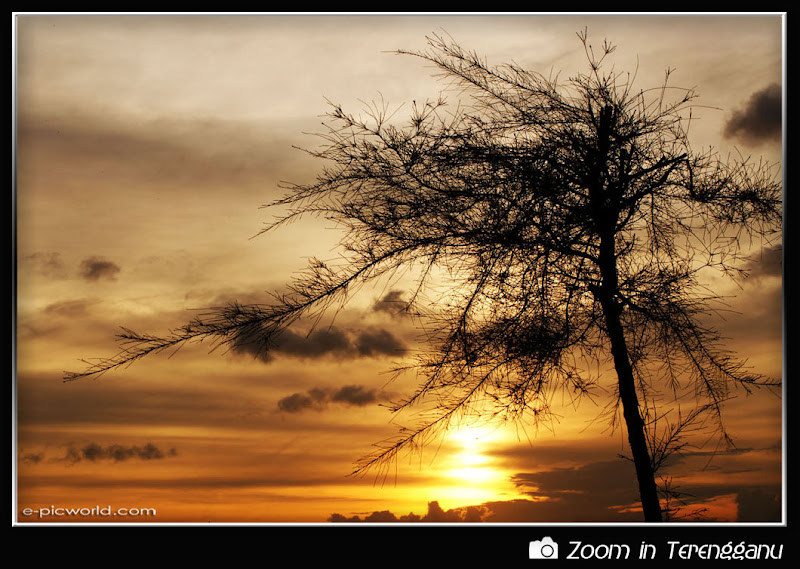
(605, 209)
(648, 491)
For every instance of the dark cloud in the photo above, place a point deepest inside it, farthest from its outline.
(373, 343)
(330, 342)
(32, 458)
(758, 505)
(593, 492)
(48, 265)
(96, 268)
(435, 514)
(318, 398)
(341, 518)
(468, 514)
(607, 490)
(755, 502)
(295, 403)
(384, 516)
(760, 119)
(392, 303)
(356, 395)
(768, 263)
(94, 452)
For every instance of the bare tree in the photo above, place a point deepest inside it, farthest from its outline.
(574, 220)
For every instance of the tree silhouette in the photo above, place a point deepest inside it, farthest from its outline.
(573, 221)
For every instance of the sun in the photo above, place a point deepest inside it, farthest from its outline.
(470, 463)
(471, 474)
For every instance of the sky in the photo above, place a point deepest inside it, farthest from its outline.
(147, 147)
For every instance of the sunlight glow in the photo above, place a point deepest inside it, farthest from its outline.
(470, 470)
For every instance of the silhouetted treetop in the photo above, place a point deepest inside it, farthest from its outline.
(572, 220)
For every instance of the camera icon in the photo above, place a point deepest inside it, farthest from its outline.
(544, 549)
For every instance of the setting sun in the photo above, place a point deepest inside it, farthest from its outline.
(470, 472)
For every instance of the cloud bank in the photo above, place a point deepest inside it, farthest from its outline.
(603, 491)
(435, 514)
(330, 342)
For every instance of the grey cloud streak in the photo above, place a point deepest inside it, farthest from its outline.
(319, 398)
(94, 452)
(189, 155)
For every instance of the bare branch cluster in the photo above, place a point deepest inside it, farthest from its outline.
(557, 209)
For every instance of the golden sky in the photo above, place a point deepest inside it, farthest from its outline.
(146, 146)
